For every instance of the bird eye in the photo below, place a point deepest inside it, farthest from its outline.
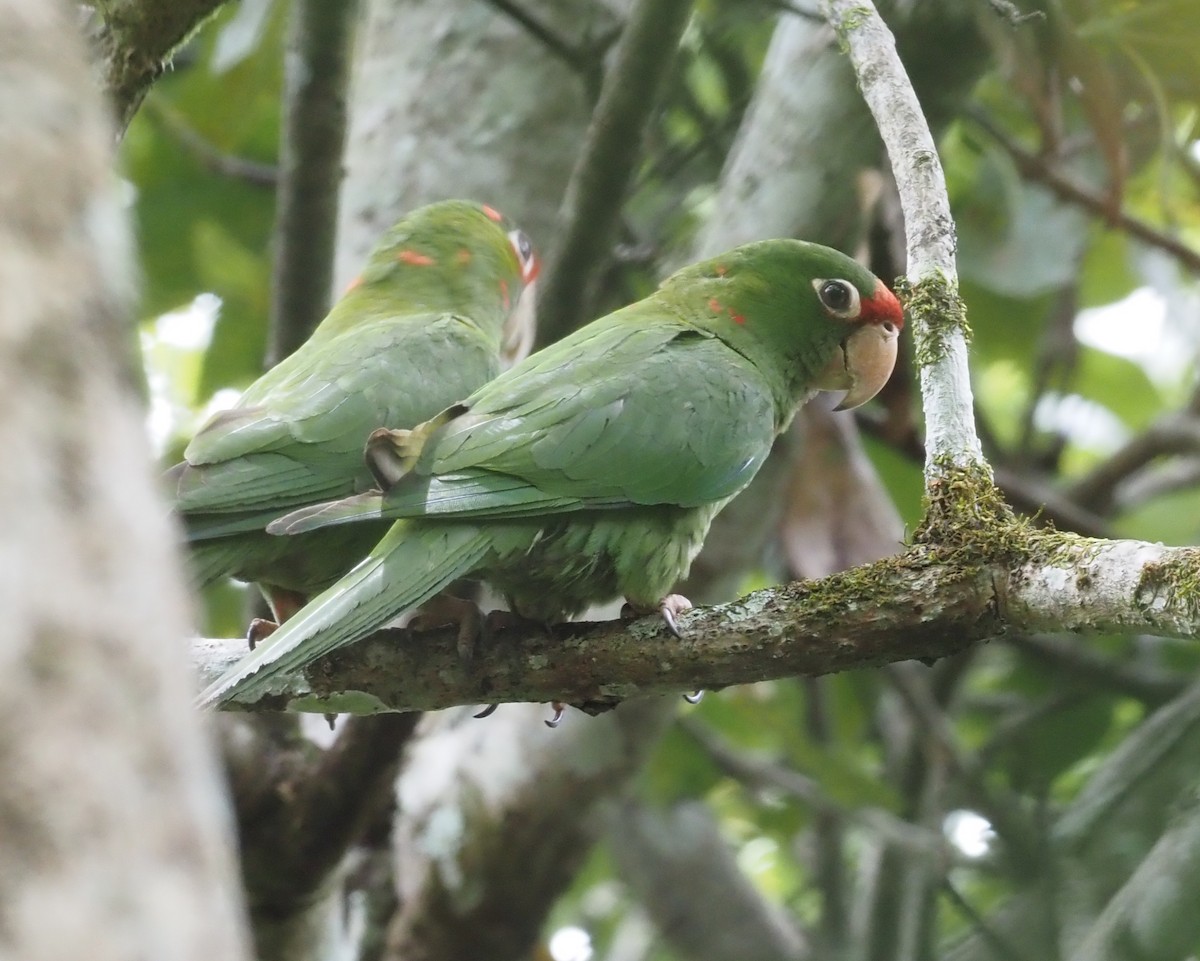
(522, 245)
(526, 255)
(840, 297)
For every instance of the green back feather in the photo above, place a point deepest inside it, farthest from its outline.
(671, 401)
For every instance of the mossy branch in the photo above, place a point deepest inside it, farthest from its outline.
(938, 316)
(957, 586)
(134, 43)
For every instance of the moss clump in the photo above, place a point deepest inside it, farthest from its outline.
(1176, 582)
(961, 503)
(937, 310)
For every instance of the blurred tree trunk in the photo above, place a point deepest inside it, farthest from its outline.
(454, 99)
(116, 842)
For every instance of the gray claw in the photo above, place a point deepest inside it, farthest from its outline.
(559, 710)
(259, 630)
(487, 711)
(694, 698)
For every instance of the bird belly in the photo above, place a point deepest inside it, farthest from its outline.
(568, 563)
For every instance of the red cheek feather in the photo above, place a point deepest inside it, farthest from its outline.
(881, 306)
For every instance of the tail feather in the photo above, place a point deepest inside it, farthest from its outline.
(410, 565)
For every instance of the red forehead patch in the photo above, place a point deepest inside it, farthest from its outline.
(882, 306)
(492, 213)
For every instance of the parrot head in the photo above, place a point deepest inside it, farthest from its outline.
(465, 257)
(808, 314)
(864, 358)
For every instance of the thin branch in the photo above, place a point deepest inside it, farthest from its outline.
(209, 156)
(135, 41)
(1002, 808)
(585, 62)
(1181, 474)
(606, 162)
(1172, 434)
(828, 829)
(313, 131)
(1003, 950)
(926, 603)
(755, 771)
(938, 316)
(1032, 166)
(1028, 494)
(1085, 666)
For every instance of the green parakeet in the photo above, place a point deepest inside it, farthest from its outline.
(429, 320)
(593, 468)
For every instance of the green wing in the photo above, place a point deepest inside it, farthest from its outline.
(298, 432)
(669, 415)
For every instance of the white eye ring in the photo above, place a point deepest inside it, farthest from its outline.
(522, 245)
(839, 297)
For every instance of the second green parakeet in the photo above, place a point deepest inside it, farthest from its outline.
(444, 300)
(593, 468)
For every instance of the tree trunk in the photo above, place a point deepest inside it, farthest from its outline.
(116, 841)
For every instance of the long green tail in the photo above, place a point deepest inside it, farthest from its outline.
(412, 562)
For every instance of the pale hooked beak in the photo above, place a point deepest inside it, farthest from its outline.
(520, 328)
(862, 365)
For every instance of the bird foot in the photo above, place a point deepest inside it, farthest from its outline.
(259, 630)
(445, 609)
(669, 608)
(498, 620)
(387, 456)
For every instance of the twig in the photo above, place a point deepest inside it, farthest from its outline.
(940, 326)
(1084, 665)
(1035, 168)
(756, 771)
(1057, 356)
(1176, 476)
(1003, 950)
(1010, 12)
(1002, 808)
(313, 131)
(830, 867)
(210, 157)
(1173, 434)
(586, 63)
(606, 162)
(1036, 498)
